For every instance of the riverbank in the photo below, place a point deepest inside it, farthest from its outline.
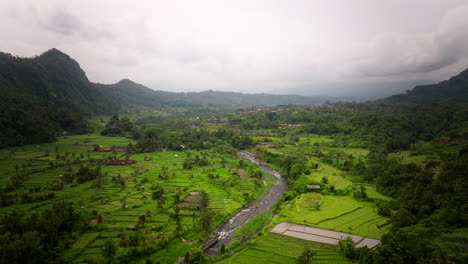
(225, 233)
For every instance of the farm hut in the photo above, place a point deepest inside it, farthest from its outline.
(313, 186)
(132, 228)
(119, 148)
(98, 148)
(120, 162)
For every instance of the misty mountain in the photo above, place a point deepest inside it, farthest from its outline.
(128, 93)
(354, 91)
(47, 94)
(454, 90)
(233, 99)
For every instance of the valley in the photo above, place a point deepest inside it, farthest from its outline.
(124, 174)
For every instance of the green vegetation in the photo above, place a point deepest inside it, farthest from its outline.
(253, 227)
(146, 176)
(159, 195)
(306, 257)
(48, 94)
(274, 248)
(341, 213)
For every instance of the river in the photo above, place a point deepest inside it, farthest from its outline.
(225, 233)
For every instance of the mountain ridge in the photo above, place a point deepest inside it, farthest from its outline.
(50, 93)
(453, 90)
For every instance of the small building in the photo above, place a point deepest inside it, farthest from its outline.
(132, 228)
(98, 148)
(120, 162)
(119, 148)
(313, 186)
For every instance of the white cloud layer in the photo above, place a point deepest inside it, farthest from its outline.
(248, 46)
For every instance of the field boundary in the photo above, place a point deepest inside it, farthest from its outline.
(321, 235)
(338, 216)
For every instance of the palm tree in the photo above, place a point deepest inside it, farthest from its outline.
(306, 256)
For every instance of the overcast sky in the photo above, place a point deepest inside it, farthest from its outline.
(314, 47)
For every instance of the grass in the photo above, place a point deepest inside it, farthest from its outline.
(374, 194)
(335, 177)
(275, 248)
(362, 221)
(34, 159)
(341, 213)
(313, 139)
(121, 206)
(85, 240)
(303, 210)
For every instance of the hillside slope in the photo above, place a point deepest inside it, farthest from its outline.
(454, 90)
(48, 94)
(43, 95)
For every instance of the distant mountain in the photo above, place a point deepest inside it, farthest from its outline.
(128, 93)
(454, 90)
(233, 99)
(47, 94)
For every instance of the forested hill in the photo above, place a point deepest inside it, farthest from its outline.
(43, 95)
(126, 93)
(454, 90)
(235, 99)
(48, 94)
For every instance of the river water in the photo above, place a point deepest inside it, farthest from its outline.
(225, 232)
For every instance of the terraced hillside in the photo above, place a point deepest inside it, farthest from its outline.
(275, 248)
(124, 197)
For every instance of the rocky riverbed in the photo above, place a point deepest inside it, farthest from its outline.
(225, 232)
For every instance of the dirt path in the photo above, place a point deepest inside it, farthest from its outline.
(225, 232)
(322, 235)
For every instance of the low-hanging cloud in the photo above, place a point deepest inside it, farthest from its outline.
(391, 54)
(248, 46)
(62, 22)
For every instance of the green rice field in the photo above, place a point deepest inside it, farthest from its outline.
(340, 213)
(275, 248)
(120, 205)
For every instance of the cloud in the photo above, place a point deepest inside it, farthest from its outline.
(62, 22)
(248, 46)
(393, 54)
